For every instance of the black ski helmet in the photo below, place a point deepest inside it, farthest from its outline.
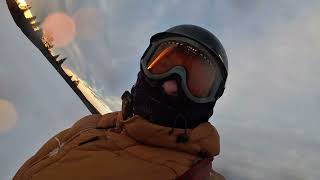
(202, 36)
(150, 102)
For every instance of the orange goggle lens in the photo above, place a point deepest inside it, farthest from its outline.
(201, 70)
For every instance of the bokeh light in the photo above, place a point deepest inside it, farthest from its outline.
(60, 28)
(90, 23)
(8, 116)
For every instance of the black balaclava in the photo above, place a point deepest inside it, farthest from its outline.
(151, 102)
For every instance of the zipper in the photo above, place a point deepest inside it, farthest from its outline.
(53, 152)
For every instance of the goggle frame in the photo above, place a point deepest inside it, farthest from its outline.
(179, 70)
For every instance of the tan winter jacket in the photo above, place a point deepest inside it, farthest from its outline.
(108, 147)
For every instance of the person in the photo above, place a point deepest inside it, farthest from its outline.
(162, 131)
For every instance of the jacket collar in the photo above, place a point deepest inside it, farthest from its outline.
(202, 139)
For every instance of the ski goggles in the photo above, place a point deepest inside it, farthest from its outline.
(198, 69)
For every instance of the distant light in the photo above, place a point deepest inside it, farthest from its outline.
(60, 28)
(28, 14)
(21, 3)
(8, 116)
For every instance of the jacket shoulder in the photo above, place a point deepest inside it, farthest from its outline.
(87, 122)
(94, 121)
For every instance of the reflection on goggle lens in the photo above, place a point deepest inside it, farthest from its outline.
(201, 69)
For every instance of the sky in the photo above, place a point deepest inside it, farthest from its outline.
(267, 118)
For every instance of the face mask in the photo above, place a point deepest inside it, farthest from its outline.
(151, 102)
